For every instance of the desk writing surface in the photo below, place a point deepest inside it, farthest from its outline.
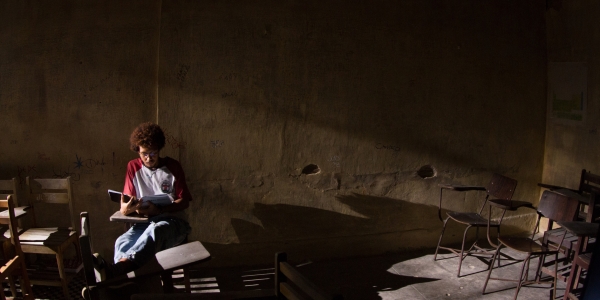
(133, 218)
(571, 194)
(580, 228)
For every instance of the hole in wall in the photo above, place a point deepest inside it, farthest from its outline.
(427, 172)
(311, 169)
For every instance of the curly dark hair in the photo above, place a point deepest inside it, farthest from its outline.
(147, 135)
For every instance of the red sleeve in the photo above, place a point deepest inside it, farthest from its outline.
(180, 189)
(129, 188)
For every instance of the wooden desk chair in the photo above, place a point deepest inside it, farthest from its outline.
(566, 242)
(552, 205)
(582, 259)
(129, 221)
(588, 183)
(499, 187)
(55, 240)
(16, 263)
(144, 279)
(9, 187)
(588, 194)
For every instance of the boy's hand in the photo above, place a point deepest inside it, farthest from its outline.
(148, 209)
(129, 204)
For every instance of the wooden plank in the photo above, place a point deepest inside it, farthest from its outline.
(19, 211)
(290, 292)
(55, 198)
(8, 185)
(49, 184)
(304, 284)
(133, 218)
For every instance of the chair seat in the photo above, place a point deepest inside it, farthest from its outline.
(5, 233)
(49, 237)
(526, 245)
(19, 211)
(470, 219)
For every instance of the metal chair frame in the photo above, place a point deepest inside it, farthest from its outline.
(553, 206)
(500, 187)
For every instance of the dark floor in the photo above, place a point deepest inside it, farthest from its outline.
(394, 276)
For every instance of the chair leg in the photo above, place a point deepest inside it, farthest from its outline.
(63, 275)
(538, 270)
(26, 289)
(491, 267)
(186, 279)
(167, 281)
(11, 284)
(440, 239)
(462, 250)
(499, 256)
(554, 282)
(570, 282)
(521, 280)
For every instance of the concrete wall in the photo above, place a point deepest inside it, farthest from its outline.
(255, 95)
(572, 145)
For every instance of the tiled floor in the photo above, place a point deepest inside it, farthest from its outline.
(393, 276)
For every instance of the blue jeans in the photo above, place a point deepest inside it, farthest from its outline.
(143, 240)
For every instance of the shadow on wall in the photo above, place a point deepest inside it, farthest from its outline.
(311, 234)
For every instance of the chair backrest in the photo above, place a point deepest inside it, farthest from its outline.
(9, 187)
(8, 204)
(557, 207)
(589, 183)
(87, 250)
(53, 191)
(18, 260)
(499, 187)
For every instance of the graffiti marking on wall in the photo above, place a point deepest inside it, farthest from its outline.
(183, 71)
(380, 146)
(66, 173)
(335, 160)
(43, 156)
(217, 143)
(101, 81)
(78, 163)
(173, 142)
(24, 171)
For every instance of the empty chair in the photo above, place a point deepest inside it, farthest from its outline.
(499, 187)
(565, 241)
(588, 183)
(553, 206)
(582, 258)
(54, 240)
(587, 194)
(14, 264)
